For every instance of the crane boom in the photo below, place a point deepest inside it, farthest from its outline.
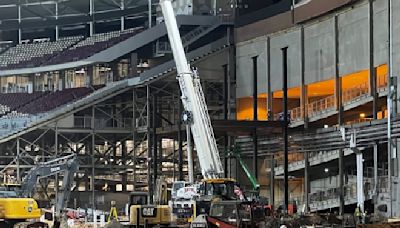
(193, 100)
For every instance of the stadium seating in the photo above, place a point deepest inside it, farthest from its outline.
(93, 45)
(36, 53)
(66, 49)
(53, 100)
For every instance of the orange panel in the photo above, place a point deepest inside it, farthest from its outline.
(244, 108)
(323, 88)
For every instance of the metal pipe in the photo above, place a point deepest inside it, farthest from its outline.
(285, 127)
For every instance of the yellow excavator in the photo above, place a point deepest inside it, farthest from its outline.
(141, 213)
(19, 210)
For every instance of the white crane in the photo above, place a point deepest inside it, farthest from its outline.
(193, 100)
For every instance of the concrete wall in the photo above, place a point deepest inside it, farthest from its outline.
(292, 41)
(319, 51)
(244, 55)
(353, 40)
(319, 48)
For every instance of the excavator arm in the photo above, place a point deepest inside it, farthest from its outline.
(68, 165)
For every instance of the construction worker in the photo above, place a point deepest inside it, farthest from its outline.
(357, 214)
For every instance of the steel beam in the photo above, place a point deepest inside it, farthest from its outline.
(285, 128)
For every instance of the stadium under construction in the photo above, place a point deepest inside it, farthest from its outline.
(302, 99)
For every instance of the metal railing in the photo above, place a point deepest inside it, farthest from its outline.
(102, 123)
(355, 93)
(381, 83)
(321, 106)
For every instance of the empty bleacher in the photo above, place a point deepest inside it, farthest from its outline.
(35, 53)
(66, 49)
(53, 100)
(93, 45)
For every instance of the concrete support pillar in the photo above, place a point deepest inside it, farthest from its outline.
(90, 75)
(115, 71)
(62, 79)
(133, 65)
(33, 80)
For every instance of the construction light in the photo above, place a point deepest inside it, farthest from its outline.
(326, 170)
(362, 115)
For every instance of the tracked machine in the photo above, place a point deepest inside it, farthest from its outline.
(17, 207)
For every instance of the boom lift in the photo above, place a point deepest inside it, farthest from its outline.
(16, 203)
(196, 115)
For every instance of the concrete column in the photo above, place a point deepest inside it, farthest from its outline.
(90, 75)
(33, 79)
(62, 78)
(115, 71)
(133, 65)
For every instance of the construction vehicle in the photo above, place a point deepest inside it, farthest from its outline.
(197, 117)
(141, 213)
(230, 214)
(19, 209)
